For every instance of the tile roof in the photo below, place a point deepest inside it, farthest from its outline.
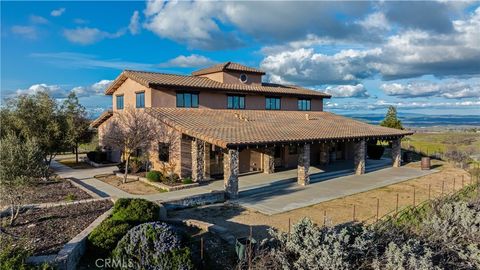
(227, 66)
(102, 118)
(233, 128)
(162, 80)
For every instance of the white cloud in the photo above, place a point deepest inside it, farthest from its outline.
(57, 12)
(35, 19)
(305, 67)
(193, 60)
(80, 21)
(193, 23)
(375, 20)
(58, 91)
(446, 88)
(411, 53)
(79, 60)
(87, 35)
(347, 91)
(53, 90)
(134, 25)
(95, 89)
(29, 32)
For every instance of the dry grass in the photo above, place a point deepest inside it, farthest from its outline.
(134, 187)
(238, 219)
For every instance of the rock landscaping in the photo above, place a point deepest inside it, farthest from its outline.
(45, 230)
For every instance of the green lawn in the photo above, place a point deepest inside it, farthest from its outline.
(440, 142)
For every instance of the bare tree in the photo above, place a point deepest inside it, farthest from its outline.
(129, 131)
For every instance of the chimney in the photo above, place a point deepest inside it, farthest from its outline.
(307, 116)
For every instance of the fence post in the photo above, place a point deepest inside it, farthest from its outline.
(324, 217)
(378, 206)
(453, 184)
(463, 176)
(201, 248)
(429, 190)
(289, 224)
(353, 213)
(443, 187)
(414, 197)
(396, 207)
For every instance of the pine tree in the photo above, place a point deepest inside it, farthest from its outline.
(391, 119)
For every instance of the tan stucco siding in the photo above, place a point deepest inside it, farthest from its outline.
(128, 89)
(165, 98)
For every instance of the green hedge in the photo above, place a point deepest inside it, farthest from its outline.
(154, 176)
(135, 211)
(104, 238)
(126, 214)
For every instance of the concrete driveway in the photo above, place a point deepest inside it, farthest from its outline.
(290, 196)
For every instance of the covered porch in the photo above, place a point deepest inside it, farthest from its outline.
(231, 143)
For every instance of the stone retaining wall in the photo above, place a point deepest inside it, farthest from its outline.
(71, 253)
(158, 184)
(194, 200)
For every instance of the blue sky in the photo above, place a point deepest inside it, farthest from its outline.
(422, 57)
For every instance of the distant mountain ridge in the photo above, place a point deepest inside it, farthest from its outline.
(422, 120)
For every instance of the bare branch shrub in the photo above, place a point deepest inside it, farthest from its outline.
(128, 131)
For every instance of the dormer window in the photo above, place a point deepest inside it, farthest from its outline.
(243, 78)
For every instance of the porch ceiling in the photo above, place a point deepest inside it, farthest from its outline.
(241, 128)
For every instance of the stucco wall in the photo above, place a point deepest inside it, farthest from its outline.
(128, 90)
(233, 77)
(165, 98)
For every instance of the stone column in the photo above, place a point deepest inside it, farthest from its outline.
(230, 173)
(198, 160)
(303, 165)
(359, 157)
(206, 168)
(396, 153)
(269, 160)
(324, 153)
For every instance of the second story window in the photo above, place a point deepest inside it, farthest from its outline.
(272, 103)
(119, 102)
(140, 100)
(235, 102)
(304, 105)
(187, 100)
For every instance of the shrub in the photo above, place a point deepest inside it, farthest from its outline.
(187, 180)
(154, 176)
(375, 151)
(135, 211)
(170, 179)
(135, 165)
(104, 237)
(153, 245)
(12, 256)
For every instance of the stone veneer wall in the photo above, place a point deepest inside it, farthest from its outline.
(396, 153)
(303, 165)
(230, 170)
(198, 158)
(269, 160)
(359, 157)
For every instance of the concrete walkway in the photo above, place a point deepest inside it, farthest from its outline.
(266, 193)
(291, 196)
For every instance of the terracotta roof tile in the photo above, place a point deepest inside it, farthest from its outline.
(227, 66)
(231, 128)
(102, 118)
(162, 80)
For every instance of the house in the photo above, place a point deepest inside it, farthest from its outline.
(229, 122)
